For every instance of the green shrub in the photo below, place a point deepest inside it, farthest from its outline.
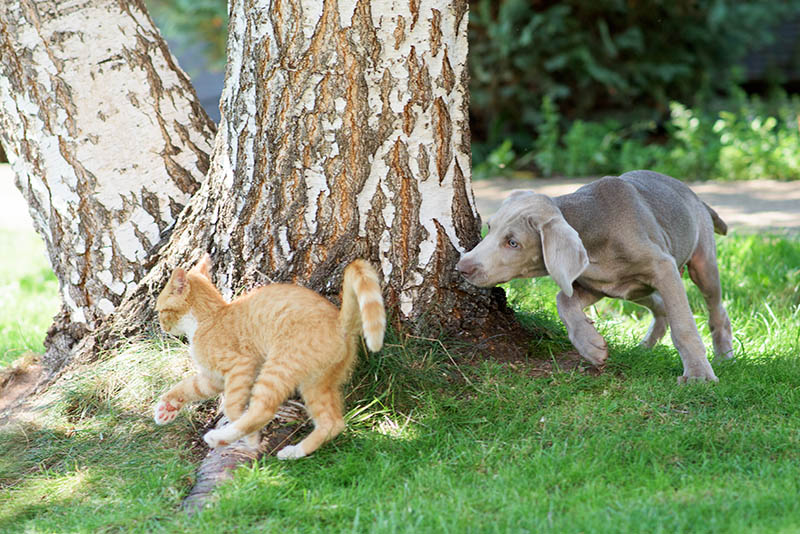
(695, 146)
(546, 146)
(602, 55)
(755, 147)
(758, 139)
(755, 140)
(592, 148)
(499, 162)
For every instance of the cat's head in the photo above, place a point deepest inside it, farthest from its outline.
(174, 303)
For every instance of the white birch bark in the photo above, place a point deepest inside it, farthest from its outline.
(106, 138)
(344, 134)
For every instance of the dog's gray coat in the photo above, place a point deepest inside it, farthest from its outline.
(625, 237)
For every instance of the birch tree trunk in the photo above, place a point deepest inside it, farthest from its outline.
(107, 140)
(344, 134)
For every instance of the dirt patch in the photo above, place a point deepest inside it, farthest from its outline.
(565, 362)
(511, 344)
(513, 350)
(16, 383)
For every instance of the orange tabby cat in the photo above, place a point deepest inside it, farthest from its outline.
(262, 346)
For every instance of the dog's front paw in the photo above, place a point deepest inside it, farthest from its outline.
(594, 350)
(291, 452)
(684, 379)
(220, 437)
(697, 371)
(166, 411)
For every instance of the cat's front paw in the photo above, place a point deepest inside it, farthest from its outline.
(220, 437)
(291, 452)
(165, 412)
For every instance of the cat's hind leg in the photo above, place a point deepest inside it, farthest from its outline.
(270, 389)
(324, 404)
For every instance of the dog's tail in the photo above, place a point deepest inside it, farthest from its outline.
(719, 225)
(362, 304)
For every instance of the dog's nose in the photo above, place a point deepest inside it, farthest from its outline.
(466, 267)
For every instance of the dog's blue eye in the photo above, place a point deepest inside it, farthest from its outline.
(512, 243)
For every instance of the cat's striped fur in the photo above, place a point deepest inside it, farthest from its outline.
(262, 346)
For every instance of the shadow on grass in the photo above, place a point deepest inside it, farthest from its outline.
(496, 439)
(105, 471)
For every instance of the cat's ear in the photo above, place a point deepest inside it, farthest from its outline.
(178, 283)
(203, 266)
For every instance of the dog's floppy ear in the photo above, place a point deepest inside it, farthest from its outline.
(565, 257)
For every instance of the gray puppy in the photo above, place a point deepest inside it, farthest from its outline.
(625, 237)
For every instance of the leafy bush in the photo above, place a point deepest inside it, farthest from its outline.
(194, 22)
(604, 55)
(498, 162)
(756, 147)
(695, 144)
(756, 140)
(546, 146)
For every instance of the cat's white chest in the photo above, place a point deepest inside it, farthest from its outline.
(187, 325)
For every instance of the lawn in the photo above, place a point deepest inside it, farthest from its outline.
(434, 446)
(28, 294)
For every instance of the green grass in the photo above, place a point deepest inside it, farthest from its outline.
(28, 295)
(438, 447)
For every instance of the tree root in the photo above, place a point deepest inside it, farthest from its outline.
(219, 464)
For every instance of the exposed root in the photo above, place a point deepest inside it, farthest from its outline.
(218, 465)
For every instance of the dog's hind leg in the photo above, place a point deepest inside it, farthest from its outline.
(704, 273)
(683, 330)
(582, 333)
(658, 327)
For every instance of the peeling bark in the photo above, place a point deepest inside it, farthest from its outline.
(343, 135)
(107, 140)
(340, 138)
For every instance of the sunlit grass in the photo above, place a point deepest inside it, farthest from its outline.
(28, 294)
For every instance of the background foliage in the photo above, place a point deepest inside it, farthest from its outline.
(748, 138)
(191, 22)
(595, 57)
(584, 87)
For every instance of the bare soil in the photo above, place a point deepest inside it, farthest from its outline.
(17, 384)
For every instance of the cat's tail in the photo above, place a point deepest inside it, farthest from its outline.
(362, 304)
